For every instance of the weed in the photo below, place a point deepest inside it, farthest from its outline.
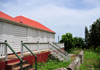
(52, 64)
(90, 59)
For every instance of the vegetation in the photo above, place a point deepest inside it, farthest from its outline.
(86, 36)
(74, 45)
(92, 38)
(94, 34)
(75, 50)
(72, 42)
(52, 64)
(67, 39)
(91, 59)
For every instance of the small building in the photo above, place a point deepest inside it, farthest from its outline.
(21, 28)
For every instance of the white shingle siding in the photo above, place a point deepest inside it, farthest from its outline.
(14, 34)
(0, 31)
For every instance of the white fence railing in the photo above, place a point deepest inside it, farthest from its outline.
(58, 45)
(36, 47)
(59, 53)
(2, 49)
(39, 47)
(61, 45)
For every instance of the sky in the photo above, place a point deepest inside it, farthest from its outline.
(61, 16)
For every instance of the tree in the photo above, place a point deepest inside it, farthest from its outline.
(78, 42)
(94, 35)
(67, 39)
(71, 42)
(86, 35)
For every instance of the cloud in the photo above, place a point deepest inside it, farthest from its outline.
(95, 3)
(59, 16)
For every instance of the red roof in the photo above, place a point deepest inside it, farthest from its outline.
(24, 20)
(30, 22)
(3, 15)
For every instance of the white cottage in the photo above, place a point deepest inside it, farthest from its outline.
(20, 28)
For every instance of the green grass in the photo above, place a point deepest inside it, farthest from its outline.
(75, 50)
(90, 58)
(52, 64)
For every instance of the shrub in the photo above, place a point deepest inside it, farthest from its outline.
(97, 49)
(72, 42)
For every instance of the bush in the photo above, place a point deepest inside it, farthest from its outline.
(71, 42)
(97, 49)
(67, 39)
(93, 37)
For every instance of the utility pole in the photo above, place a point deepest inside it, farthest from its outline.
(58, 38)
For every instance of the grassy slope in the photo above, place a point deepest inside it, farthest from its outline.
(91, 58)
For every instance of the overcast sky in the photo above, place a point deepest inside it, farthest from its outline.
(61, 16)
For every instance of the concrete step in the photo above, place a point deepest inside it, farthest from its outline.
(25, 67)
(60, 59)
(53, 56)
(15, 64)
(31, 69)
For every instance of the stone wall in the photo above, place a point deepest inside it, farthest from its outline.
(77, 61)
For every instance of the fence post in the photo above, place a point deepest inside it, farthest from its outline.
(48, 45)
(35, 63)
(21, 49)
(0, 49)
(38, 46)
(5, 51)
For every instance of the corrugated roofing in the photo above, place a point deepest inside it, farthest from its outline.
(27, 21)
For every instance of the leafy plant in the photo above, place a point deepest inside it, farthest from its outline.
(52, 64)
(86, 35)
(67, 39)
(91, 58)
(94, 34)
(98, 49)
(72, 42)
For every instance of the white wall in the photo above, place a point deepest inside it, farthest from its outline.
(15, 34)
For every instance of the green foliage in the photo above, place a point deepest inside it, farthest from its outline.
(72, 42)
(75, 50)
(79, 42)
(92, 58)
(97, 49)
(94, 34)
(52, 64)
(83, 67)
(67, 39)
(86, 35)
(91, 49)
